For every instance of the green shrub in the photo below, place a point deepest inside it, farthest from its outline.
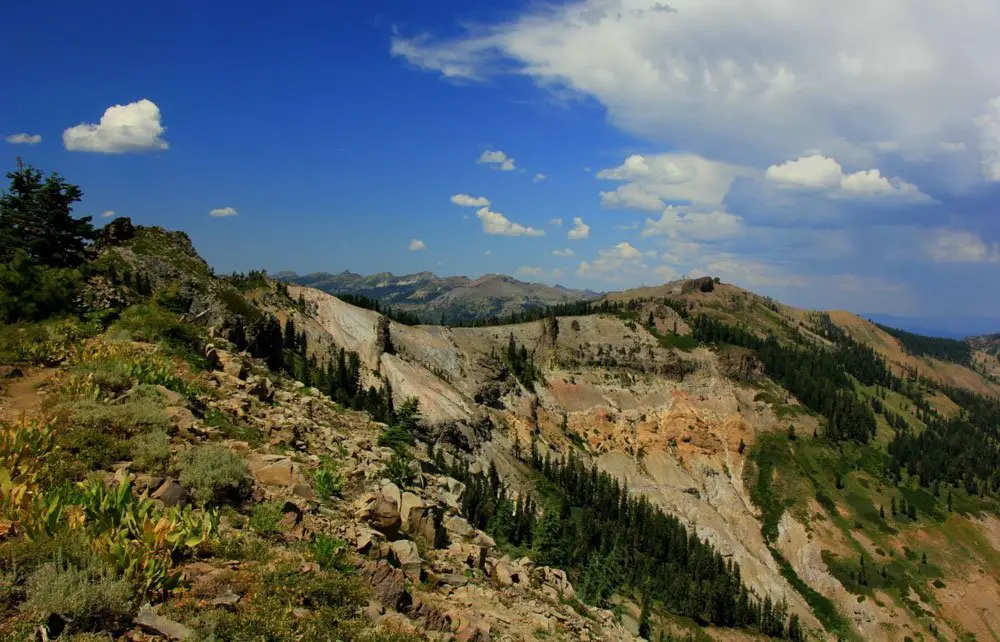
(334, 602)
(88, 598)
(154, 324)
(213, 474)
(231, 428)
(151, 451)
(328, 479)
(399, 470)
(265, 517)
(329, 552)
(31, 292)
(98, 434)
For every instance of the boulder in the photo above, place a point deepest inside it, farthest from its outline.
(150, 621)
(388, 583)
(172, 398)
(170, 493)
(405, 555)
(458, 529)
(116, 232)
(386, 515)
(262, 389)
(181, 418)
(420, 519)
(232, 364)
(276, 470)
(505, 573)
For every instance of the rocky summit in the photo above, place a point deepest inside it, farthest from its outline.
(187, 456)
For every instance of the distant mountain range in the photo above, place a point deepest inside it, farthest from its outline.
(958, 327)
(457, 298)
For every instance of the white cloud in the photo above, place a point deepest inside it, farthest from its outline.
(566, 252)
(633, 196)
(678, 223)
(821, 173)
(24, 139)
(614, 264)
(958, 246)
(107, 213)
(488, 253)
(634, 225)
(558, 273)
(221, 212)
(988, 124)
(580, 230)
(498, 160)
(416, 245)
(538, 178)
(697, 76)
(752, 274)
(497, 223)
(527, 270)
(134, 127)
(654, 178)
(470, 201)
(555, 221)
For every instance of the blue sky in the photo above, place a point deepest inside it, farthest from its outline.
(800, 153)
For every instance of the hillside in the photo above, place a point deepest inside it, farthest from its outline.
(691, 460)
(455, 299)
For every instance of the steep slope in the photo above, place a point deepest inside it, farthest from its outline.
(455, 298)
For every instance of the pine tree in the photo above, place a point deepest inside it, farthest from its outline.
(893, 506)
(36, 216)
(949, 500)
(881, 512)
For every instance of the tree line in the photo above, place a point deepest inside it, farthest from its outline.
(818, 378)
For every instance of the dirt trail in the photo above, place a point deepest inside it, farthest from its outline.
(20, 396)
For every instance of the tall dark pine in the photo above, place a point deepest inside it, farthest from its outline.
(36, 217)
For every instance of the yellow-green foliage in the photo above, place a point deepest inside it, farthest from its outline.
(25, 448)
(43, 344)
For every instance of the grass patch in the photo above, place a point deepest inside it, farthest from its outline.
(824, 609)
(153, 324)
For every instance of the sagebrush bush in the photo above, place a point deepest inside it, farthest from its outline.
(213, 474)
(88, 598)
(265, 517)
(151, 451)
(98, 433)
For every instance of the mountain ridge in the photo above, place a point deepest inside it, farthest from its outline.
(456, 298)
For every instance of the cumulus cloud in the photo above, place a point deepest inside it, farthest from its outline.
(654, 178)
(488, 253)
(497, 160)
(527, 270)
(614, 264)
(107, 213)
(699, 78)
(497, 223)
(752, 274)
(222, 212)
(566, 252)
(958, 246)
(538, 178)
(824, 174)
(677, 223)
(632, 196)
(988, 124)
(416, 245)
(135, 127)
(580, 230)
(24, 139)
(470, 201)
(555, 221)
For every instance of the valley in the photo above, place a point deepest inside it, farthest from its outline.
(780, 439)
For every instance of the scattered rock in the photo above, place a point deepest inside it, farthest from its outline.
(150, 621)
(418, 518)
(406, 556)
(170, 493)
(181, 418)
(172, 398)
(262, 389)
(276, 470)
(388, 583)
